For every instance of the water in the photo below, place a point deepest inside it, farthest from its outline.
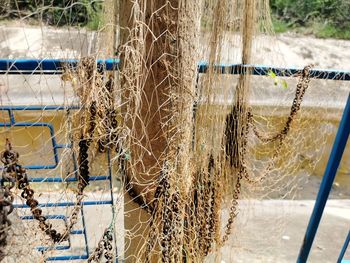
(35, 147)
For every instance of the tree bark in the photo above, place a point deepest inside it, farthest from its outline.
(158, 71)
(149, 135)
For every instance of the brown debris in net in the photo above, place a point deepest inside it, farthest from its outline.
(302, 86)
(235, 147)
(96, 120)
(14, 172)
(95, 127)
(108, 116)
(6, 208)
(137, 198)
(235, 136)
(6, 197)
(232, 146)
(104, 248)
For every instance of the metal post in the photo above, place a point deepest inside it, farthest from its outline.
(327, 182)
(343, 250)
(110, 175)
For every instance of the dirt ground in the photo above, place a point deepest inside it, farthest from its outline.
(266, 231)
(289, 49)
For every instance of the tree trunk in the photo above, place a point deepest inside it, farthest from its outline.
(148, 144)
(158, 72)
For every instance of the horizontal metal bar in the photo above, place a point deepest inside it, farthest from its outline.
(263, 70)
(42, 248)
(61, 146)
(40, 167)
(13, 123)
(64, 258)
(77, 232)
(63, 217)
(62, 204)
(38, 107)
(37, 66)
(61, 180)
(27, 124)
(53, 217)
(51, 73)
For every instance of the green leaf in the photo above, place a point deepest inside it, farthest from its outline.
(284, 84)
(271, 74)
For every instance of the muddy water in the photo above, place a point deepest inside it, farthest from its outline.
(35, 147)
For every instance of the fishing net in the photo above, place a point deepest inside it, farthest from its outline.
(251, 136)
(196, 154)
(54, 123)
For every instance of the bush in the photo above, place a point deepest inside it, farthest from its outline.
(329, 18)
(53, 12)
(330, 31)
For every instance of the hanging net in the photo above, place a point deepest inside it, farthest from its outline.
(190, 155)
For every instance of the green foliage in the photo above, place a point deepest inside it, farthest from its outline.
(271, 74)
(94, 22)
(323, 18)
(279, 26)
(277, 81)
(329, 30)
(326, 18)
(54, 12)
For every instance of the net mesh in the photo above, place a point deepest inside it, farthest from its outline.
(194, 157)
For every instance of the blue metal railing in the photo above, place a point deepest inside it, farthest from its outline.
(13, 123)
(57, 247)
(327, 182)
(57, 66)
(48, 66)
(344, 248)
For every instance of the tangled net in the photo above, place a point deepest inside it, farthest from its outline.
(198, 149)
(189, 153)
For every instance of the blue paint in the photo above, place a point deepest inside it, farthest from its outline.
(62, 204)
(63, 217)
(327, 182)
(67, 180)
(51, 66)
(263, 70)
(343, 250)
(67, 258)
(77, 232)
(110, 173)
(34, 108)
(12, 117)
(58, 247)
(42, 249)
(12, 123)
(56, 66)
